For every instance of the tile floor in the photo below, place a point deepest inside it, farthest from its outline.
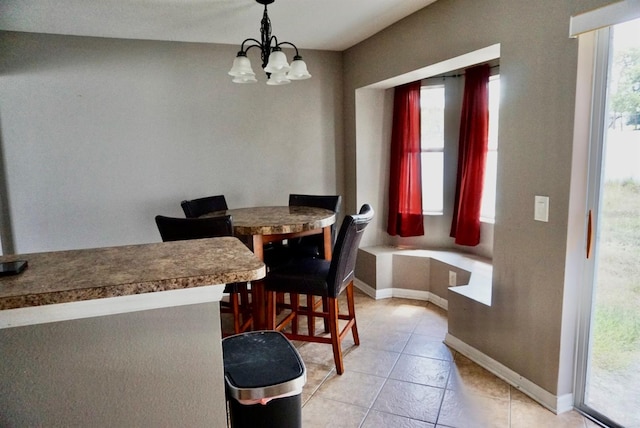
(402, 375)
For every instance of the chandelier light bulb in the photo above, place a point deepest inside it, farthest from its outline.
(278, 79)
(241, 66)
(277, 62)
(298, 69)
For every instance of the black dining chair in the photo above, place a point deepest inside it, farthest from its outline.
(179, 229)
(327, 279)
(314, 245)
(196, 207)
(306, 246)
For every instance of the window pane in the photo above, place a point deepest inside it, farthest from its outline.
(432, 144)
(494, 111)
(488, 206)
(432, 182)
(432, 117)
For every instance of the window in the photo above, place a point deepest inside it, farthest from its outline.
(432, 148)
(488, 206)
(432, 104)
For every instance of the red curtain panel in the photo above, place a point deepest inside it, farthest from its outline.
(472, 155)
(405, 182)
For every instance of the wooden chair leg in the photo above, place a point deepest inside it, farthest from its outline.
(335, 334)
(245, 309)
(279, 301)
(271, 310)
(245, 303)
(351, 304)
(258, 304)
(311, 321)
(294, 300)
(235, 309)
(325, 309)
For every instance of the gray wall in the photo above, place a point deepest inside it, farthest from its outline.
(136, 369)
(100, 135)
(523, 329)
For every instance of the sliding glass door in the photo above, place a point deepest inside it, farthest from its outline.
(610, 356)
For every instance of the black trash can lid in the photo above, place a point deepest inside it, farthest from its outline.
(262, 364)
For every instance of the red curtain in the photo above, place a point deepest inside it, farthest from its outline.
(472, 155)
(405, 181)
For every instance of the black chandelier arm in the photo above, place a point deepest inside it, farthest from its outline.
(287, 43)
(257, 45)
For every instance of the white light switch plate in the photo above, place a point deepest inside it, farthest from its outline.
(541, 209)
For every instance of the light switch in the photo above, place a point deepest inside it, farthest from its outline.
(541, 209)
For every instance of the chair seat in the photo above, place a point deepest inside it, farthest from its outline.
(302, 276)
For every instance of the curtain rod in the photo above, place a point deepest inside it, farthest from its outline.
(445, 76)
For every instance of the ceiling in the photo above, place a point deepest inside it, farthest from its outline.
(310, 24)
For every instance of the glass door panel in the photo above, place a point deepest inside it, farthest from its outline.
(612, 387)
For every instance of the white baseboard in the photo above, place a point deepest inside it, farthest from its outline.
(402, 293)
(557, 404)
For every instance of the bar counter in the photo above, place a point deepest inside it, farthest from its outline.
(77, 275)
(120, 336)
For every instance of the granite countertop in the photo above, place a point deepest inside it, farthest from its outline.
(77, 275)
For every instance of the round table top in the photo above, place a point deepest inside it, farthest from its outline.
(277, 220)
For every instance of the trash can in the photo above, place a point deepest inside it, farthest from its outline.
(264, 376)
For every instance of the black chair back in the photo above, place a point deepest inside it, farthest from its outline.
(179, 229)
(196, 207)
(329, 202)
(343, 261)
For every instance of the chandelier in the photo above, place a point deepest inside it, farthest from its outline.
(274, 61)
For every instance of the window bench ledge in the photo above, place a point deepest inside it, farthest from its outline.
(478, 289)
(395, 271)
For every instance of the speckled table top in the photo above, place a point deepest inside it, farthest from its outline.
(75, 275)
(277, 220)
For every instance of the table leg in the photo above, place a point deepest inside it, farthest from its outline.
(258, 246)
(326, 232)
(257, 288)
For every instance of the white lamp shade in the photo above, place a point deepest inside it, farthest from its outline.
(298, 70)
(241, 67)
(277, 62)
(278, 79)
(244, 79)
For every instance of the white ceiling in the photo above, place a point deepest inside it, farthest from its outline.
(310, 24)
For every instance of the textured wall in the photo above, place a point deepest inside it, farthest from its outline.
(100, 135)
(134, 369)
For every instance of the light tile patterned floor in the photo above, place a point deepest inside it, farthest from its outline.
(402, 375)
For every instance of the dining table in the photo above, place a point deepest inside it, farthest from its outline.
(261, 225)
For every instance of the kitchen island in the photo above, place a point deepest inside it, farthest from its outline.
(119, 336)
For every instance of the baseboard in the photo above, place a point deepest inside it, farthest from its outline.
(557, 404)
(367, 289)
(402, 293)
